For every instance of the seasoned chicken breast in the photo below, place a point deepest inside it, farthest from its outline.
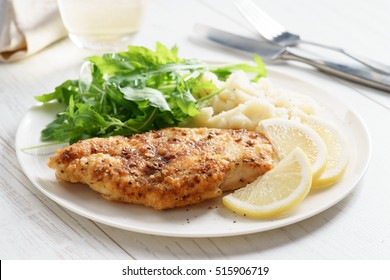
(167, 168)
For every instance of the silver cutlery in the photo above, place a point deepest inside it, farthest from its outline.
(274, 32)
(273, 52)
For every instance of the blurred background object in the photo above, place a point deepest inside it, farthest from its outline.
(101, 24)
(27, 26)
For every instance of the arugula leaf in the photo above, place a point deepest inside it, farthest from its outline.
(224, 72)
(153, 97)
(62, 93)
(134, 91)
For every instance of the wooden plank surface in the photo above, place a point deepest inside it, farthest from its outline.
(34, 227)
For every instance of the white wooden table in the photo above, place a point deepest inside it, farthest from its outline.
(34, 227)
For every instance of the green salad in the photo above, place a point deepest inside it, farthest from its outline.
(134, 91)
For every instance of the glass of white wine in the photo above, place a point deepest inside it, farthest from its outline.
(101, 24)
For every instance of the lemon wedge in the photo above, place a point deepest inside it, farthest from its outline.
(338, 153)
(285, 135)
(277, 191)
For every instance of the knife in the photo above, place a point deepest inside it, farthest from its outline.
(266, 50)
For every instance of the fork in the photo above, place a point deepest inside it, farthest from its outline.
(274, 32)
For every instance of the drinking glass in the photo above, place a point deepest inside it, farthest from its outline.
(101, 24)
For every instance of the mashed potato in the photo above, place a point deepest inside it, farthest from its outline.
(243, 104)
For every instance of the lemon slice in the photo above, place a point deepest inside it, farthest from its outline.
(285, 135)
(275, 192)
(338, 153)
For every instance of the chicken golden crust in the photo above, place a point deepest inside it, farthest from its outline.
(167, 168)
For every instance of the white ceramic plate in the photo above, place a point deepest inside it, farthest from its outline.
(210, 218)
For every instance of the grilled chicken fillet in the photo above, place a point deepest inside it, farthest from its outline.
(167, 168)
